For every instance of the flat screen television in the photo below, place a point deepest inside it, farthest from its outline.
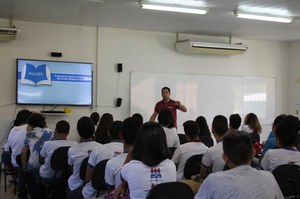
(41, 82)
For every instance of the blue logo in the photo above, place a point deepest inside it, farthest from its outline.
(36, 75)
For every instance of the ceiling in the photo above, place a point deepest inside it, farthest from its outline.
(219, 20)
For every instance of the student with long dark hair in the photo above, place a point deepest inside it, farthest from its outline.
(286, 134)
(150, 164)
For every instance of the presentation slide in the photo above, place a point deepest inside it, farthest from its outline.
(54, 82)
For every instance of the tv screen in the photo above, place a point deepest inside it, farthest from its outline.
(41, 82)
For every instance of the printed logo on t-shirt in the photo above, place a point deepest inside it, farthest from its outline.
(155, 176)
(116, 153)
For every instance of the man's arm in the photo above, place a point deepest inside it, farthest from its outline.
(153, 116)
(180, 106)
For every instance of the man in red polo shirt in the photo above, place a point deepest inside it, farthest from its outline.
(167, 102)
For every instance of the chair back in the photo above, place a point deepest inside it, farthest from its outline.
(174, 190)
(182, 138)
(59, 159)
(192, 166)
(288, 179)
(83, 166)
(98, 180)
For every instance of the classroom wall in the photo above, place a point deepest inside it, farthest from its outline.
(142, 51)
(294, 79)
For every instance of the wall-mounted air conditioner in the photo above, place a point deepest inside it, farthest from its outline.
(210, 48)
(8, 34)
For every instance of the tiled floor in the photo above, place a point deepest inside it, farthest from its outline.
(10, 190)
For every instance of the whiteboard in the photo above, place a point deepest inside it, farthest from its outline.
(207, 95)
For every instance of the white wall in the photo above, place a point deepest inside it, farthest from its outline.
(138, 51)
(294, 74)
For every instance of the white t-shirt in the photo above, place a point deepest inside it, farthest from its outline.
(240, 182)
(172, 137)
(141, 178)
(113, 170)
(49, 147)
(75, 156)
(213, 157)
(182, 154)
(15, 140)
(246, 128)
(99, 153)
(276, 157)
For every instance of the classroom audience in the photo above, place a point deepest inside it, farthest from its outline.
(192, 147)
(95, 116)
(241, 181)
(165, 118)
(113, 167)
(37, 135)
(85, 129)
(204, 132)
(150, 164)
(286, 134)
(139, 117)
(100, 153)
(252, 126)
(102, 131)
(212, 160)
(270, 143)
(60, 140)
(15, 141)
(235, 121)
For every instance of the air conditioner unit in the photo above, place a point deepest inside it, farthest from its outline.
(8, 34)
(210, 48)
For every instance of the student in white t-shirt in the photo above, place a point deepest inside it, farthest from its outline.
(192, 147)
(85, 128)
(241, 181)
(165, 118)
(212, 160)
(113, 167)
(103, 152)
(150, 164)
(286, 134)
(60, 140)
(15, 141)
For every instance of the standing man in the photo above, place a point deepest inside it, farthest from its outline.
(167, 102)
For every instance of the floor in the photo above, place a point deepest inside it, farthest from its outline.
(10, 189)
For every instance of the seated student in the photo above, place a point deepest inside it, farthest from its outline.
(192, 147)
(252, 126)
(113, 167)
(85, 128)
(95, 116)
(204, 132)
(234, 122)
(286, 135)
(271, 140)
(165, 118)
(101, 133)
(15, 141)
(60, 140)
(212, 160)
(241, 181)
(139, 117)
(103, 152)
(150, 164)
(34, 141)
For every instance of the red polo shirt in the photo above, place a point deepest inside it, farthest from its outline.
(171, 105)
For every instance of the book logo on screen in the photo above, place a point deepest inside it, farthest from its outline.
(33, 75)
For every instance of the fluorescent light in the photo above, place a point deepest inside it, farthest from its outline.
(172, 8)
(263, 17)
